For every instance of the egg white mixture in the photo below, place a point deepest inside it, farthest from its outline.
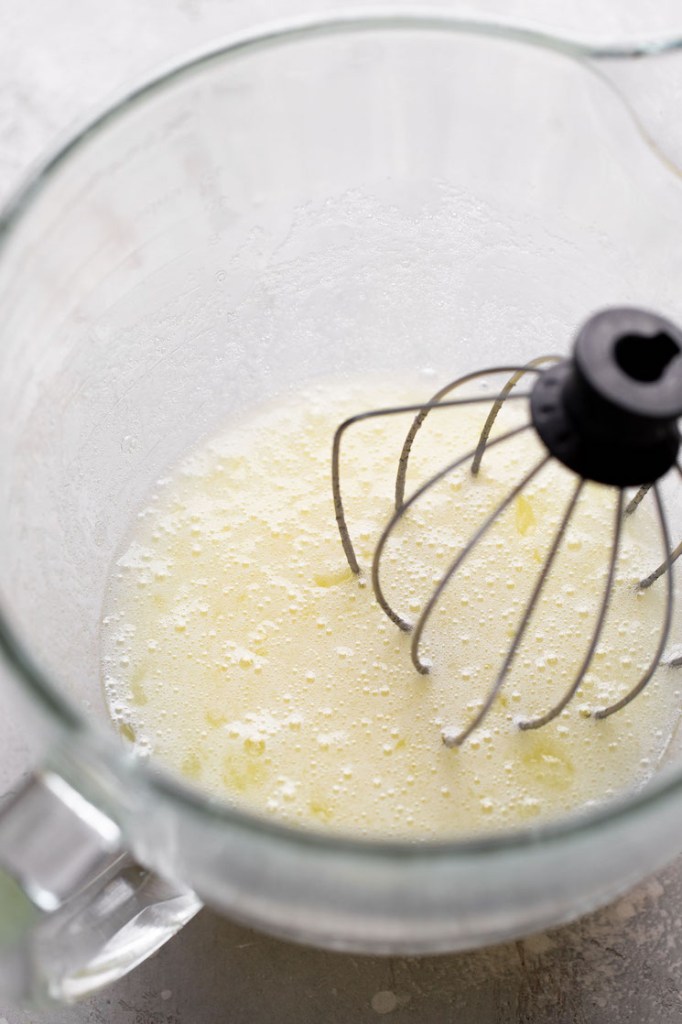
(241, 652)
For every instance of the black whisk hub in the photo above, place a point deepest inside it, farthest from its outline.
(610, 412)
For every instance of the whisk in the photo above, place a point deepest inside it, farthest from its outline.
(609, 414)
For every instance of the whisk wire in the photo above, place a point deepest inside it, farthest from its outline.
(667, 619)
(537, 723)
(427, 611)
(499, 401)
(674, 555)
(451, 740)
(404, 624)
(516, 371)
(636, 500)
(662, 568)
(396, 410)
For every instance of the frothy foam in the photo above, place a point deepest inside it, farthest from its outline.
(241, 651)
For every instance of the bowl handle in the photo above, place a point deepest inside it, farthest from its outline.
(76, 912)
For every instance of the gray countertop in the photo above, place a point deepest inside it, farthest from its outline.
(623, 963)
(58, 59)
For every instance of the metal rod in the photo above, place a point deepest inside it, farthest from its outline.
(471, 544)
(658, 572)
(665, 632)
(436, 400)
(674, 555)
(405, 624)
(537, 723)
(456, 740)
(641, 493)
(339, 510)
(499, 401)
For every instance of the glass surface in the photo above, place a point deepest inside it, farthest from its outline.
(297, 207)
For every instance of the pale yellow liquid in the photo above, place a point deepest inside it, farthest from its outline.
(242, 653)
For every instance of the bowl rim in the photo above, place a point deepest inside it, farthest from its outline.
(101, 744)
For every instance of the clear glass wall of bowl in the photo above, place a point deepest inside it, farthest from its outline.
(405, 194)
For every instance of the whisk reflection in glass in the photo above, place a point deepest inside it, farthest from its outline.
(609, 414)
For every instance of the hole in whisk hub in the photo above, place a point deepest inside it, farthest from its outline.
(645, 358)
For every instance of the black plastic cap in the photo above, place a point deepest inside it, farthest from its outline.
(610, 413)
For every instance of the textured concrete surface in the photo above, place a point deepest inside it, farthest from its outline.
(622, 964)
(58, 60)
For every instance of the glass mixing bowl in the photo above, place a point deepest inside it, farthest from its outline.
(407, 191)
